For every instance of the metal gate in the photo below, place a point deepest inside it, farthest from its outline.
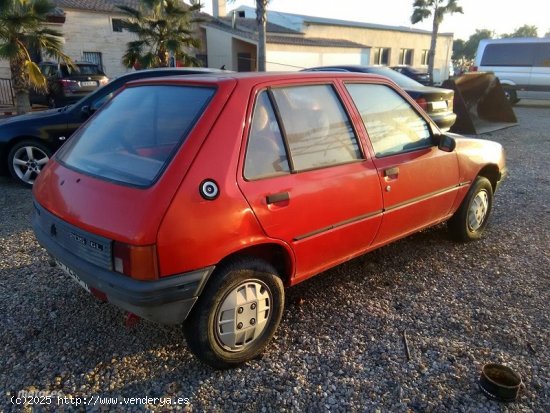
(6, 93)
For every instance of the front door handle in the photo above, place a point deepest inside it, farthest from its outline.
(273, 198)
(391, 171)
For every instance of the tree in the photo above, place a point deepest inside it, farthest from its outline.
(22, 28)
(437, 9)
(524, 31)
(470, 48)
(458, 49)
(164, 30)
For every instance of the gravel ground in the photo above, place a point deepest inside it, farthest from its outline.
(340, 345)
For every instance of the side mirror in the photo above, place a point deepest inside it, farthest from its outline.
(446, 143)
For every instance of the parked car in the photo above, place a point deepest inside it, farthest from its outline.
(195, 200)
(521, 64)
(28, 141)
(67, 85)
(437, 102)
(415, 74)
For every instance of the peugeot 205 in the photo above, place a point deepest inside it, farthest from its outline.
(196, 200)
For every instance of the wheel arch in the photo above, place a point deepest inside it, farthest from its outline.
(275, 254)
(492, 173)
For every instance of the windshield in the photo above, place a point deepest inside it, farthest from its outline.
(134, 137)
(402, 80)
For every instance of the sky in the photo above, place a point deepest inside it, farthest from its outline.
(502, 16)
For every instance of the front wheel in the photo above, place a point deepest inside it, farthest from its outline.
(26, 160)
(470, 220)
(236, 315)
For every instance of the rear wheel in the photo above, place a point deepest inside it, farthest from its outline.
(470, 220)
(236, 315)
(26, 160)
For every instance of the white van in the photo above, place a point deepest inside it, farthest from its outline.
(521, 64)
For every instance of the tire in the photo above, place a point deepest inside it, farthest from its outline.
(469, 221)
(511, 95)
(26, 160)
(246, 328)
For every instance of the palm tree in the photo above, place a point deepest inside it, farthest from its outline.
(163, 29)
(436, 8)
(22, 27)
(261, 19)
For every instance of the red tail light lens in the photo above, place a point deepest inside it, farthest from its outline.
(473, 68)
(422, 103)
(138, 262)
(68, 84)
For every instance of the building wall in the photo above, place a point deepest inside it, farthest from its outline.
(289, 57)
(393, 39)
(93, 32)
(220, 49)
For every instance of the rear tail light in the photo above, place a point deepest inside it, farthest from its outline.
(138, 262)
(68, 84)
(473, 68)
(103, 81)
(422, 103)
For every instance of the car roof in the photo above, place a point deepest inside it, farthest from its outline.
(252, 78)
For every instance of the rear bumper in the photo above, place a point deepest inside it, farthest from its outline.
(166, 301)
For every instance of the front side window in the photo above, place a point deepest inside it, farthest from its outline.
(392, 124)
(318, 130)
(136, 135)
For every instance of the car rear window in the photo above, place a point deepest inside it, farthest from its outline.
(81, 70)
(134, 137)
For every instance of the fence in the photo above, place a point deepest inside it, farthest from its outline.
(6, 93)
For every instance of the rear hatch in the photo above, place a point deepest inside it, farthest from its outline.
(84, 79)
(116, 176)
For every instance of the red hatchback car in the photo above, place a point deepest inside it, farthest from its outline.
(196, 200)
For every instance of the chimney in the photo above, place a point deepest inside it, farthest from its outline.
(218, 8)
(234, 19)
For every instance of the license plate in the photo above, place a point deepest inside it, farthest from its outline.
(88, 83)
(72, 274)
(441, 104)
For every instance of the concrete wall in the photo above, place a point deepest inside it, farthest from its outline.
(282, 57)
(395, 40)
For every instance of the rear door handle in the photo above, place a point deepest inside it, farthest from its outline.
(281, 196)
(391, 171)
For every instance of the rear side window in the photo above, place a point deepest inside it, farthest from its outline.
(511, 54)
(318, 130)
(392, 124)
(136, 135)
(266, 154)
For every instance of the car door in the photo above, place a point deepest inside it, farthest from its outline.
(306, 177)
(419, 182)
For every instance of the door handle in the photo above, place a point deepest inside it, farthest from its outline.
(281, 196)
(391, 171)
